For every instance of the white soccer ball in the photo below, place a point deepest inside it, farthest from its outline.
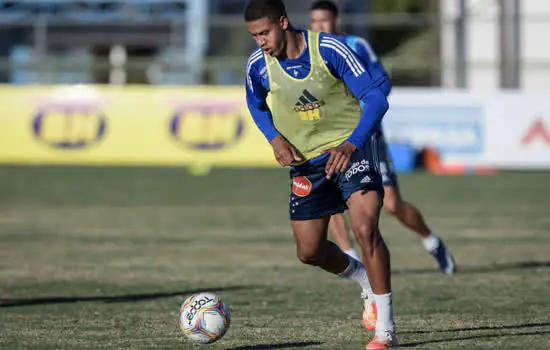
(204, 318)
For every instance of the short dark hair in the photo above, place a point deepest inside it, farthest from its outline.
(258, 9)
(325, 5)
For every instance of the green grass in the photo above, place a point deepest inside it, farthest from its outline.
(101, 258)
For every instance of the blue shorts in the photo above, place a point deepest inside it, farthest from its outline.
(389, 177)
(313, 196)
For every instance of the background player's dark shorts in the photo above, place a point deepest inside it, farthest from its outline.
(313, 196)
(389, 177)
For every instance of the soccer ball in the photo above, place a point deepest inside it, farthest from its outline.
(204, 318)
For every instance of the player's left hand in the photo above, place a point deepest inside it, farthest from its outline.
(339, 158)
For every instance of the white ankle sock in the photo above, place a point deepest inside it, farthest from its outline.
(351, 252)
(357, 272)
(384, 321)
(431, 242)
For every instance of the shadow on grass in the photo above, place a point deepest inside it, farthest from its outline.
(472, 337)
(277, 346)
(525, 265)
(483, 328)
(112, 298)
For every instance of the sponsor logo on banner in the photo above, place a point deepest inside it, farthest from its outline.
(450, 129)
(537, 133)
(70, 118)
(208, 125)
(301, 186)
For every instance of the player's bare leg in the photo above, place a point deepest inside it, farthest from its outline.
(410, 217)
(314, 249)
(405, 212)
(364, 212)
(339, 229)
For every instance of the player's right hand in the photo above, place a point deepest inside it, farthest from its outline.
(284, 152)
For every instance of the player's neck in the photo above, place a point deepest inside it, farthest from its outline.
(295, 44)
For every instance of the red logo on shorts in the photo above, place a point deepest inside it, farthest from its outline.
(301, 186)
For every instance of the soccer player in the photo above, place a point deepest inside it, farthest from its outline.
(316, 126)
(325, 18)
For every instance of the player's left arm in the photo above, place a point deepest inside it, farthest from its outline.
(375, 105)
(347, 66)
(364, 50)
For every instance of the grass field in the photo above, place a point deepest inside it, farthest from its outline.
(101, 258)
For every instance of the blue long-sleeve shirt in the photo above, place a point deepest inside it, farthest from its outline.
(366, 84)
(363, 49)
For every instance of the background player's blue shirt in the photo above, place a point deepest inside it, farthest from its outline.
(343, 64)
(363, 49)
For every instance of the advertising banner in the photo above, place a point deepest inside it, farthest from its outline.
(130, 125)
(211, 126)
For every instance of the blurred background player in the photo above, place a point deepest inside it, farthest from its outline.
(319, 129)
(325, 18)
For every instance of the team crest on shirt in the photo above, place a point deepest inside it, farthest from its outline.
(301, 186)
(308, 106)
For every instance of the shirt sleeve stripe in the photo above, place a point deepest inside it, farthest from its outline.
(253, 59)
(346, 53)
(372, 56)
(254, 55)
(347, 50)
(346, 57)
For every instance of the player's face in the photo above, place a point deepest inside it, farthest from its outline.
(269, 36)
(323, 21)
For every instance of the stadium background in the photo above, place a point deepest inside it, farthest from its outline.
(110, 109)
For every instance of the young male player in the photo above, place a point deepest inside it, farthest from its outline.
(316, 126)
(325, 18)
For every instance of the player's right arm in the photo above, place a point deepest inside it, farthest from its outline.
(256, 100)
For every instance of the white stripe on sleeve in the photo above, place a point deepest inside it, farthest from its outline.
(346, 53)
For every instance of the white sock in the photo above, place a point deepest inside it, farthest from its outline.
(357, 272)
(351, 252)
(431, 242)
(384, 321)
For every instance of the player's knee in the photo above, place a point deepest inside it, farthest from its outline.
(391, 204)
(309, 255)
(366, 231)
